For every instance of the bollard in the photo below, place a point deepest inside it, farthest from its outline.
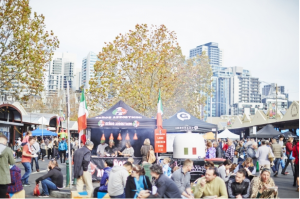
(67, 175)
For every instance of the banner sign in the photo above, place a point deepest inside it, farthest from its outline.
(160, 140)
(97, 165)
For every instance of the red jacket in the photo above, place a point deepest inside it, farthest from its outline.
(296, 153)
(225, 147)
(289, 148)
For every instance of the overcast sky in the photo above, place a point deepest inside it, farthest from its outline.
(259, 35)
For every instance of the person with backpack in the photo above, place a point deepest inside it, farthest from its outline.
(15, 189)
(108, 164)
(145, 149)
(62, 148)
(55, 148)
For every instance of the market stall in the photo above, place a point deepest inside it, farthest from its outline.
(120, 123)
(267, 131)
(181, 122)
(227, 134)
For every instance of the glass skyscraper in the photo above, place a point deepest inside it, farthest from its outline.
(88, 71)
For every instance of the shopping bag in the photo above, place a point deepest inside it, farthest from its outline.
(36, 190)
(282, 162)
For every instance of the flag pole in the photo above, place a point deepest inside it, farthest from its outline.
(69, 139)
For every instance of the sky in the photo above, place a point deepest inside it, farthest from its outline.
(259, 35)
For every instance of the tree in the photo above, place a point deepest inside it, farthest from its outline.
(25, 49)
(137, 64)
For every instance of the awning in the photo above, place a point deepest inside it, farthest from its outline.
(11, 123)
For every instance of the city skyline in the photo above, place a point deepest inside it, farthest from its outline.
(259, 36)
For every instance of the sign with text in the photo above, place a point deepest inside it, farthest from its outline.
(160, 140)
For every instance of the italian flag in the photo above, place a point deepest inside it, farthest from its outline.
(82, 113)
(159, 112)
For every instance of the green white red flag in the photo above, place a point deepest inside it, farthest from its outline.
(82, 113)
(159, 112)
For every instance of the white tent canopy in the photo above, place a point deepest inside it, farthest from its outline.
(227, 134)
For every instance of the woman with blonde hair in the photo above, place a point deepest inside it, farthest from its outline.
(145, 149)
(289, 149)
(263, 186)
(248, 166)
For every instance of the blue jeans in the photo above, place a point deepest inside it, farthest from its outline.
(119, 196)
(48, 185)
(36, 160)
(27, 167)
(276, 165)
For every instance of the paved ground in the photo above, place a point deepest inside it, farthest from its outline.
(286, 190)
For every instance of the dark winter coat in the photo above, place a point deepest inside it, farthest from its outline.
(56, 177)
(82, 161)
(104, 179)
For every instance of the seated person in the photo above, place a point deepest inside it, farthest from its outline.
(209, 164)
(53, 180)
(111, 149)
(263, 186)
(248, 166)
(239, 187)
(224, 170)
(210, 185)
(15, 188)
(128, 151)
(108, 164)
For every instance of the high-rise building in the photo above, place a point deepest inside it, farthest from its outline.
(61, 70)
(212, 50)
(270, 88)
(88, 72)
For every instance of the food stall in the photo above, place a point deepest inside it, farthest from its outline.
(120, 123)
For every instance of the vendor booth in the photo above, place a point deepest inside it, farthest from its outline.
(267, 131)
(120, 123)
(227, 134)
(182, 122)
(42, 132)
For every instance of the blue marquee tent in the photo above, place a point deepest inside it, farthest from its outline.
(39, 132)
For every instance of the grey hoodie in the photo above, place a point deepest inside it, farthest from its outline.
(117, 181)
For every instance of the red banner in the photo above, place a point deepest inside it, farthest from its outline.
(160, 140)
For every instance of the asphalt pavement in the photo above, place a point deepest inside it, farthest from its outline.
(285, 183)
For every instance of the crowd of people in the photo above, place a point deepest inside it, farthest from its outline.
(246, 172)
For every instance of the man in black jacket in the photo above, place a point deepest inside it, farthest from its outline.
(52, 180)
(218, 150)
(81, 163)
(164, 186)
(239, 187)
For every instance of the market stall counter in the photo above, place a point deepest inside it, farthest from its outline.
(97, 164)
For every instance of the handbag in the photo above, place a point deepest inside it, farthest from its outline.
(36, 190)
(270, 156)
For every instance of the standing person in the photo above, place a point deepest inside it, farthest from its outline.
(19, 141)
(50, 150)
(52, 180)
(210, 185)
(117, 180)
(241, 149)
(81, 163)
(277, 151)
(165, 187)
(26, 160)
(62, 148)
(296, 164)
(108, 164)
(137, 182)
(281, 137)
(218, 150)
(239, 187)
(251, 152)
(111, 149)
(145, 149)
(289, 149)
(15, 149)
(128, 151)
(55, 148)
(35, 151)
(262, 155)
(211, 151)
(26, 138)
(6, 159)
(230, 151)
(182, 178)
(224, 170)
(101, 148)
(43, 149)
(166, 167)
(76, 146)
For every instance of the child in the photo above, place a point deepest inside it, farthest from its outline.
(166, 167)
(25, 139)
